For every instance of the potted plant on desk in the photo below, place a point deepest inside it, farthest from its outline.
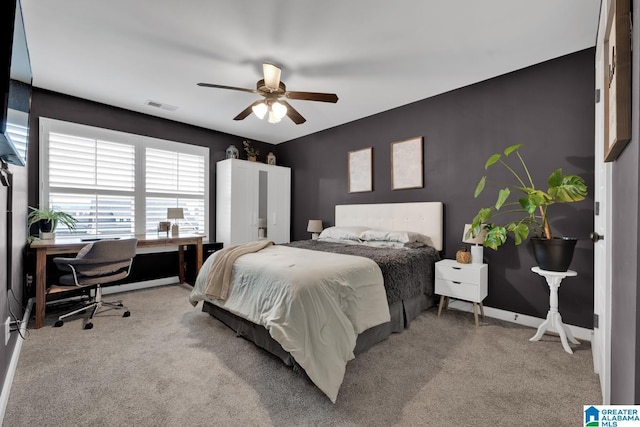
(48, 219)
(529, 214)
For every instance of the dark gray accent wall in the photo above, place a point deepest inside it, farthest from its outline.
(625, 295)
(549, 107)
(64, 107)
(10, 300)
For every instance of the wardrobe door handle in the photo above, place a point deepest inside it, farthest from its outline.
(456, 268)
(457, 283)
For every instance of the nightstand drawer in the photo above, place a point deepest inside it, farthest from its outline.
(459, 290)
(450, 271)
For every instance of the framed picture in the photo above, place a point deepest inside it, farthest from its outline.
(406, 164)
(617, 79)
(360, 170)
(164, 226)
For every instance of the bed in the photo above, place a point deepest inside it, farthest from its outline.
(367, 293)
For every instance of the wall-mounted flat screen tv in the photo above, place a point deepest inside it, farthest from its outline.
(15, 84)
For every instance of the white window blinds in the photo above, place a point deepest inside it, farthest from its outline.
(90, 163)
(175, 179)
(115, 183)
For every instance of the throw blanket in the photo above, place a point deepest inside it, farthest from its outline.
(406, 272)
(219, 277)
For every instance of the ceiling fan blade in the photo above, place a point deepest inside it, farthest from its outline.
(245, 113)
(271, 76)
(230, 87)
(293, 113)
(312, 96)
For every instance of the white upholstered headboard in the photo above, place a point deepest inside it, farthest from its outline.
(422, 217)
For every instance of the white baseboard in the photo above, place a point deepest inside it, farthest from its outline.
(13, 364)
(140, 285)
(520, 319)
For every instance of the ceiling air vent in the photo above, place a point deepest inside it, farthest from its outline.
(160, 105)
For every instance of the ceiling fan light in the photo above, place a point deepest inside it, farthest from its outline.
(260, 110)
(280, 110)
(273, 117)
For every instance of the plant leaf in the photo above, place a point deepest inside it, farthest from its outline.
(555, 179)
(512, 148)
(534, 199)
(495, 237)
(571, 188)
(492, 160)
(520, 232)
(480, 186)
(483, 216)
(502, 197)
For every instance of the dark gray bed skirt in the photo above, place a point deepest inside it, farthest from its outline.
(402, 313)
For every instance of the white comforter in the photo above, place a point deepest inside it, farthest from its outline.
(312, 303)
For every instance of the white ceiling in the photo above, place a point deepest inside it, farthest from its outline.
(374, 54)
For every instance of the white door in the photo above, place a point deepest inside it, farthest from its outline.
(601, 344)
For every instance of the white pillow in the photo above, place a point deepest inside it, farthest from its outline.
(343, 241)
(395, 236)
(342, 233)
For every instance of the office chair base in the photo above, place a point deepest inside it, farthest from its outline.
(95, 309)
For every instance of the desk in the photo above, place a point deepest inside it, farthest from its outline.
(73, 245)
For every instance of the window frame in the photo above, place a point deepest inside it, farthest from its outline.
(140, 143)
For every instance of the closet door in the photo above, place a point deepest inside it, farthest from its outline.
(243, 205)
(233, 202)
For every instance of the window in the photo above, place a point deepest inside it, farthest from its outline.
(116, 183)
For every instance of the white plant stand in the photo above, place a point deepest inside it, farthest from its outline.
(554, 320)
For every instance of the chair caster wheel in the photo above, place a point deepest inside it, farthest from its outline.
(126, 314)
(120, 304)
(88, 326)
(58, 324)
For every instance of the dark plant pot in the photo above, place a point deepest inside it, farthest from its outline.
(45, 226)
(554, 254)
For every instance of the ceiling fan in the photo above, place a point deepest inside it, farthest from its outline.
(273, 90)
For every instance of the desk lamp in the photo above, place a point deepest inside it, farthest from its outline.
(476, 248)
(315, 228)
(175, 213)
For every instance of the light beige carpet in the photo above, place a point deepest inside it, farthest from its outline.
(169, 364)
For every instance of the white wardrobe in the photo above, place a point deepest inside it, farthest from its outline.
(253, 201)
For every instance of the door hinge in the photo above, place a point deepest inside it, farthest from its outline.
(597, 208)
(596, 320)
(597, 95)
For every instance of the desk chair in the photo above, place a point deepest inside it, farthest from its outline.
(96, 264)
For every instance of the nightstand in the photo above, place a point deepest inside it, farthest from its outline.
(467, 282)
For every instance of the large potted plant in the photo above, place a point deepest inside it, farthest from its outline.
(529, 214)
(48, 219)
